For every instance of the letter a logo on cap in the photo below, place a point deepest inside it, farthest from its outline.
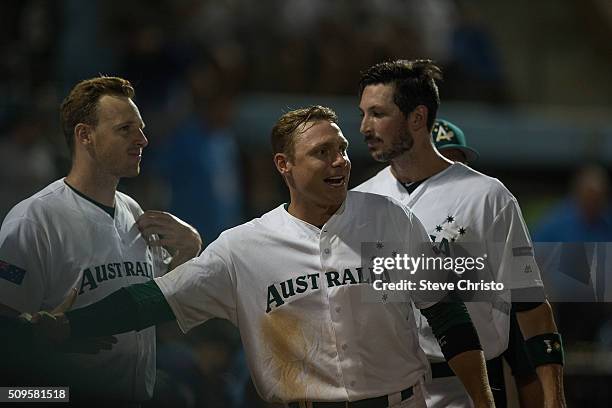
(444, 133)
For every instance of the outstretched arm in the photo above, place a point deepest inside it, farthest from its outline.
(131, 308)
(44, 330)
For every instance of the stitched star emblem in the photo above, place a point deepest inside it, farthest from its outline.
(462, 231)
(438, 228)
(379, 245)
(450, 218)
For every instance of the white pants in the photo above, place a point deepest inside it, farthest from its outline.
(417, 400)
(447, 392)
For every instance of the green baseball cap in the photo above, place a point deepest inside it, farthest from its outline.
(448, 136)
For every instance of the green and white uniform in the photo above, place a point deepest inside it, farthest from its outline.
(57, 240)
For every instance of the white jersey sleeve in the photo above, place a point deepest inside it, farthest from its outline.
(202, 288)
(24, 256)
(510, 249)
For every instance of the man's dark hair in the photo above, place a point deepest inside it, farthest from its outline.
(81, 104)
(414, 84)
(284, 132)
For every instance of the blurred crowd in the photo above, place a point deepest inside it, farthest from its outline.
(191, 59)
(190, 62)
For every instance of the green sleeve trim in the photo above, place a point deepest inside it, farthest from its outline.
(132, 308)
(152, 306)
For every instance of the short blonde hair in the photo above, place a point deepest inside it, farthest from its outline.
(284, 131)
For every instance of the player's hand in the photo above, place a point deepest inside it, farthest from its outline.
(53, 326)
(180, 239)
(52, 331)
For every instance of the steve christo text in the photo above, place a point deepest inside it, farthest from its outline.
(458, 265)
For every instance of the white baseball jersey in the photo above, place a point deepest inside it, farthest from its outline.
(460, 204)
(296, 293)
(57, 240)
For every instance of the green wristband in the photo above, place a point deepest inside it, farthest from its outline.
(545, 349)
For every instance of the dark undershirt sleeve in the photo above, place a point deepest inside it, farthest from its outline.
(452, 327)
(135, 307)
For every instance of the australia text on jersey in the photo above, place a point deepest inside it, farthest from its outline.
(93, 276)
(279, 293)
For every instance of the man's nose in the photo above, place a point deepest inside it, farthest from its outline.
(365, 127)
(142, 139)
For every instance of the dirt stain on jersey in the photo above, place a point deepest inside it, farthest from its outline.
(289, 349)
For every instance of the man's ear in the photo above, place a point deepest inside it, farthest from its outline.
(82, 134)
(418, 118)
(282, 163)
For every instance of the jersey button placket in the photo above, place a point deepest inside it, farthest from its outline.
(325, 248)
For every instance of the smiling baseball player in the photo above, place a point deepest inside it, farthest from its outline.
(399, 102)
(293, 283)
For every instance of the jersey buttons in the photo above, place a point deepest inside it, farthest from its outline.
(326, 251)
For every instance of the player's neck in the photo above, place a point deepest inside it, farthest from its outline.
(95, 185)
(311, 213)
(419, 163)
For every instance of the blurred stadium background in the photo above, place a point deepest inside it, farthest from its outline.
(529, 83)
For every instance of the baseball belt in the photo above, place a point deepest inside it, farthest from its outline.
(377, 402)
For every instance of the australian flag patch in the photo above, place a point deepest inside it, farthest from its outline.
(11, 273)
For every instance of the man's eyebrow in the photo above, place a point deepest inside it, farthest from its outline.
(343, 143)
(131, 122)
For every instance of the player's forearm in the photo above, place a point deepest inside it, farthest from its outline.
(529, 389)
(471, 369)
(551, 378)
(537, 321)
(133, 308)
(537, 325)
(453, 328)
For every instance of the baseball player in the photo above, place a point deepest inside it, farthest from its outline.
(80, 232)
(292, 282)
(399, 102)
(450, 141)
